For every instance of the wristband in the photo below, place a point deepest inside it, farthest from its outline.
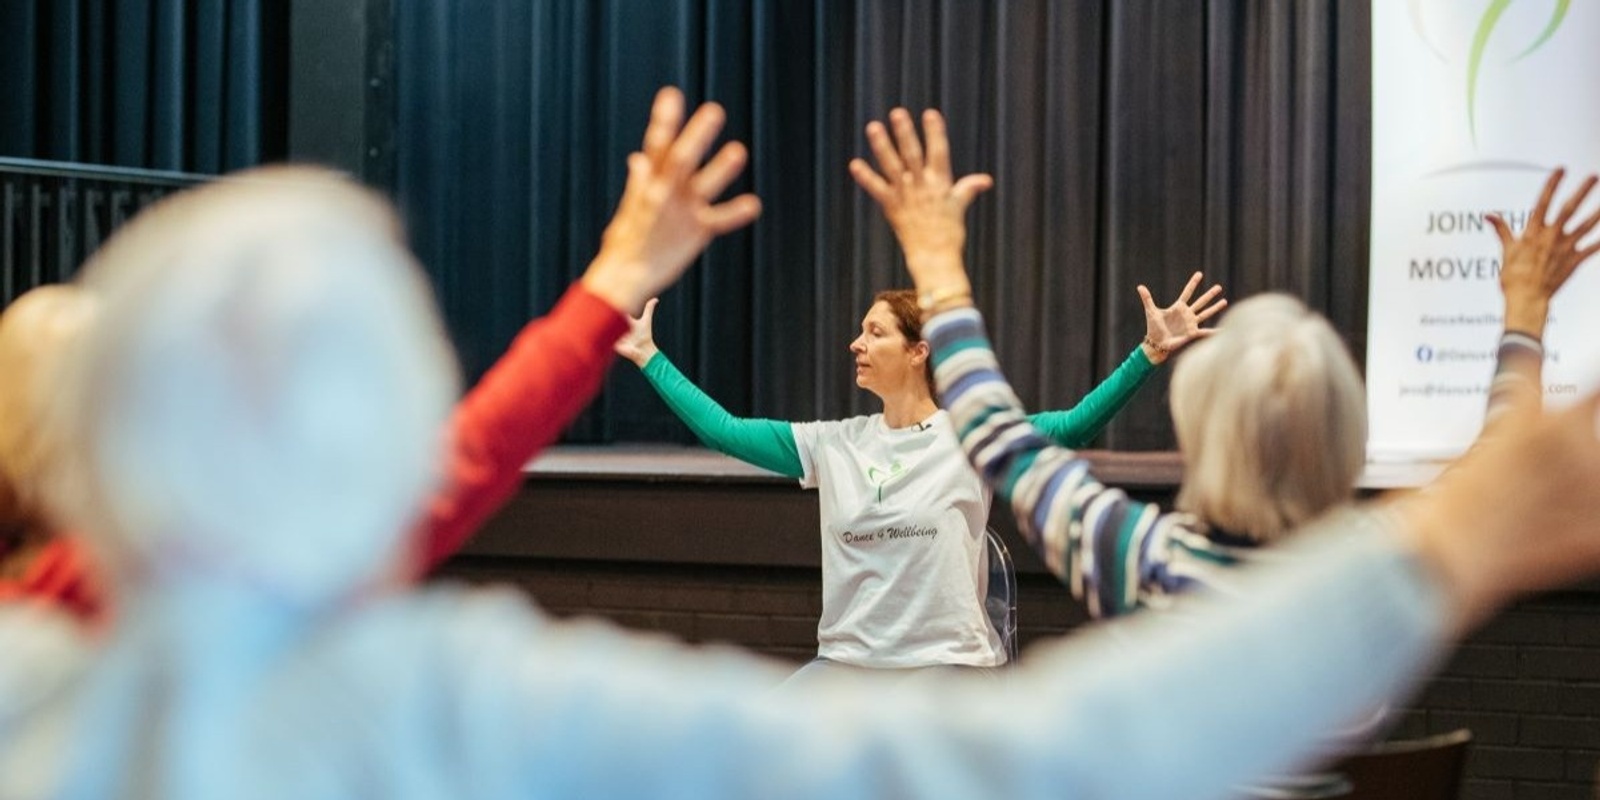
(934, 300)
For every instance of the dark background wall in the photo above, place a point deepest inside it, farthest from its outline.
(1133, 141)
(179, 85)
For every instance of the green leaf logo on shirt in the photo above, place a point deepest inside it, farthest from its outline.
(878, 477)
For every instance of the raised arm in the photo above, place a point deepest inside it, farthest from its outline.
(766, 443)
(1106, 547)
(1109, 713)
(1534, 265)
(1096, 715)
(1077, 426)
(1167, 330)
(666, 217)
(1468, 541)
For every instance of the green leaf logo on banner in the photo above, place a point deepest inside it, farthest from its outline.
(1480, 43)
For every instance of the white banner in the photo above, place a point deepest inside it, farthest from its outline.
(1473, 103)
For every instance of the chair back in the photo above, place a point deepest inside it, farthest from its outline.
(1416, 769)
(1001, 600)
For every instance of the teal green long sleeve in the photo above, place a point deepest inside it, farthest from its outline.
(766, 443)
(1076, 426)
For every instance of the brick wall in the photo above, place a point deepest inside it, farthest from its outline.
(1528, 685)
(770, 610)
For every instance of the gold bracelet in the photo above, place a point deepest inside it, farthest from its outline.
(934, 300)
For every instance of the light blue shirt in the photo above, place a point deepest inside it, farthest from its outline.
(207, 692)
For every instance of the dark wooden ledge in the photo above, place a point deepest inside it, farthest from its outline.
(672, 463)
(656, 504)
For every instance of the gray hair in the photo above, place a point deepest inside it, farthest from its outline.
(263, 393)
(1271, 418)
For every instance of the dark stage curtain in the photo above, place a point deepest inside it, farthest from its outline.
(1133, 141)
(184, 85)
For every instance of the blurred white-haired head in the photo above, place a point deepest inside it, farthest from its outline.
(1271, 418)
(260, 401)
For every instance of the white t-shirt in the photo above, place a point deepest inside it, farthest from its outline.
(903, 519)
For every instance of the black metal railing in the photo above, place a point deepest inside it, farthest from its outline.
(54, 214)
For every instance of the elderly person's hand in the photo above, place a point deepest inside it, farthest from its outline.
(923, 204)
(1537, 262)
(666, 216)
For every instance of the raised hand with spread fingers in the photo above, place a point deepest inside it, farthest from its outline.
(1168, 329)
(667, 215)
(924, 205)
(1537, 262)
(1534, 264)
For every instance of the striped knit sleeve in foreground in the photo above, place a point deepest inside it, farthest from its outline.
(1092, 537)
(1517, 375)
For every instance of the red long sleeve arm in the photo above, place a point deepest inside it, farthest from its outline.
(550, 373)
(62, 575)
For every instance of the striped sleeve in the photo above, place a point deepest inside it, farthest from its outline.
(1108, 548)
(1517, 375)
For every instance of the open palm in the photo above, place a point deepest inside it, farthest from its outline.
(668, 214)
(1537, 261)
(1169, 329)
